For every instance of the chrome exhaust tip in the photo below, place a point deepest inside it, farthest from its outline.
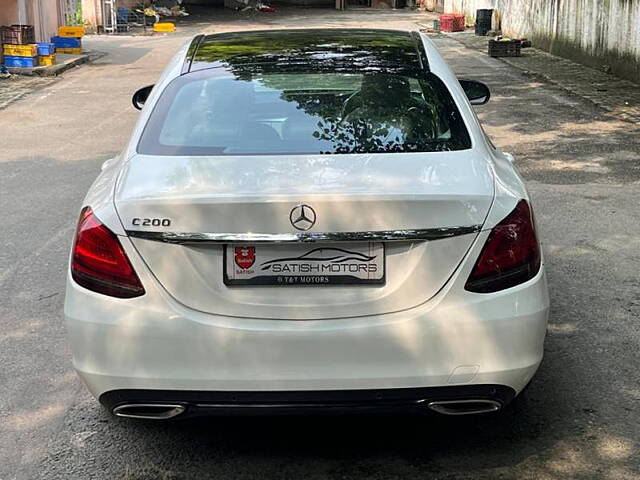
(465, 407)
(149, 411)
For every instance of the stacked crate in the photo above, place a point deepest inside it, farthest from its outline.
(69, 40)
(46, 54)
(18, 46)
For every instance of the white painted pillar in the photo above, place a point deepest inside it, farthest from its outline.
(23, 14)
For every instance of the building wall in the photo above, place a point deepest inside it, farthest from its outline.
(599, 33)
(44, 15)
(8, 12)
(220, 3)
(91, 14)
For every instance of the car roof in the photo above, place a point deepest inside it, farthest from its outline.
(310, 50)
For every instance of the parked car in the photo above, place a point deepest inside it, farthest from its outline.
(307, 220)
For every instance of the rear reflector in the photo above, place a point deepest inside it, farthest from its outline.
(510, 256)
(98, 261)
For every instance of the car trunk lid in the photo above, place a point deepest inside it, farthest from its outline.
(199, 204)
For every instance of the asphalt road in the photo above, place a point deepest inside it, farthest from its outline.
(579, 419)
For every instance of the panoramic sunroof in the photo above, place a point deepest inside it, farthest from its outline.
(309, 51)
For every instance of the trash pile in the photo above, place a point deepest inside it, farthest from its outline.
(261, 7)
(250, 5)
(164, 8)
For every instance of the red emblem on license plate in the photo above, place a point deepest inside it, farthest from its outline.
(245, 256)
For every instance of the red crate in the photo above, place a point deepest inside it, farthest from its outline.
(452, 22)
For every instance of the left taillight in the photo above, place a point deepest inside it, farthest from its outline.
(510, 256)
(98, 261)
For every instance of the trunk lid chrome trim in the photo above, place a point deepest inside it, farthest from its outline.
(425, 234)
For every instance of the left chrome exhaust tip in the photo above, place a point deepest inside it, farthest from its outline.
(465, 407)
(149, 411)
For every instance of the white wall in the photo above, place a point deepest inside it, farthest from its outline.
(45, 16)
(596, 32)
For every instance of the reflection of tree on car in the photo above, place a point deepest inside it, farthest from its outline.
(314, 95)
(304, 51)
(374, 112)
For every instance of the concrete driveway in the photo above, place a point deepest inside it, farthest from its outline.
(579, 419)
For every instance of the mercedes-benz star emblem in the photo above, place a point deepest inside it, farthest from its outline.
(302, 217)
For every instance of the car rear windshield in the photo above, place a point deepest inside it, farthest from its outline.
(303, 113)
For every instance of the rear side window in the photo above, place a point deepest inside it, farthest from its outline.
(214, 113)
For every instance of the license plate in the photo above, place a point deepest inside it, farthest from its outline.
(304, 264)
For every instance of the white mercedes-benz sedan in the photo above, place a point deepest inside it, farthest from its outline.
(307, 220)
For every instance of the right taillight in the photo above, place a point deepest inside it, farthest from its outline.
(98, 261)
(510, 256)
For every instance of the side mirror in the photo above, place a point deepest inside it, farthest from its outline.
(141, 96)
(477, 92)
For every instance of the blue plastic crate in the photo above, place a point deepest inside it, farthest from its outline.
(123, 15)
(24, 62)
(45, 48)
(66, 42)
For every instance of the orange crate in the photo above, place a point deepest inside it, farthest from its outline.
(66, 31)
(46, 60)
(20, 50)
(69, 51)
(164, 27)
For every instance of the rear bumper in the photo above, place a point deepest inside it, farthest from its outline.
(410, 400)
(456, 339)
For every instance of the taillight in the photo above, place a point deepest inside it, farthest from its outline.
(98, 261)
(510, 256)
